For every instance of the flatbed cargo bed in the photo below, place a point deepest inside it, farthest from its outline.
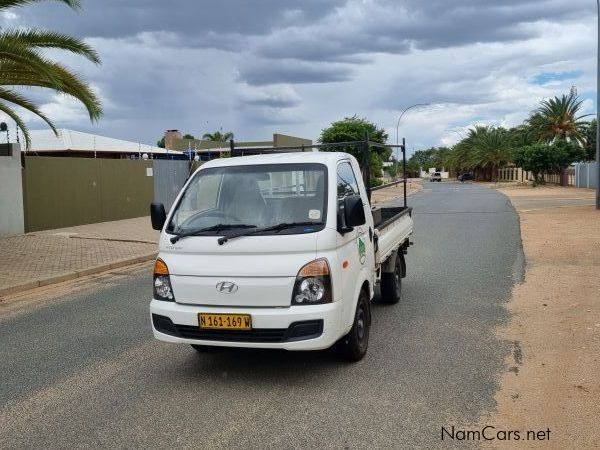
(393, 226)
(384, 216)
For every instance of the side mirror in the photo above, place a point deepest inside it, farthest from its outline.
(157, 215)
(354, 211)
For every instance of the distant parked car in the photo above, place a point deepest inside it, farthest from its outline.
(465, 177)
(436, 176)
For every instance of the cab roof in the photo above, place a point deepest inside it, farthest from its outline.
(279, 158)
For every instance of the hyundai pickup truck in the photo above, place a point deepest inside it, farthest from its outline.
(278, 251)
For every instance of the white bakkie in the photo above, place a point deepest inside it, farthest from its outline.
(276, 251)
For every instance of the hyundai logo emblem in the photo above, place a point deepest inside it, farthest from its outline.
(226, 287)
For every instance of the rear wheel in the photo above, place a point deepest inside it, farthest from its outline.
(391, 283)
(353, 346)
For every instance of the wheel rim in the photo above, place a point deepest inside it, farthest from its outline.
(361, 324)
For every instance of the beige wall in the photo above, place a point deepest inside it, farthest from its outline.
(279, 140)
(282, 140)
(11, 193)
(61, 192)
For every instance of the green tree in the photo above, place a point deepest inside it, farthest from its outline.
(23, 63)
(543, 158)
(218, 136)
(537, 158)
(161, 142)
(567, 153)
(422, 158)
(559, 118)
(188, 136)
(355, 129)
(522, 136)
(484, 150)
(590, 141)
(412, 168)
(392, 170)
(490, 149)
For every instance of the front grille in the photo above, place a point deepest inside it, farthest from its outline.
(256, 335)
(297, 331)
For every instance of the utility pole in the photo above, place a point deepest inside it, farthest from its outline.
(597, 115)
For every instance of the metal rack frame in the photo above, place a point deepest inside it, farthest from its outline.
(364, 145)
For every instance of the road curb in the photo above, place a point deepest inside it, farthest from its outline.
(66, 276)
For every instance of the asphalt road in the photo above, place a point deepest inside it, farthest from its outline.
(84, 370)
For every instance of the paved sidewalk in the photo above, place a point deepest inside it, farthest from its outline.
(45, 257)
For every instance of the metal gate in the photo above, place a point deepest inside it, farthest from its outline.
(169, 178)
(586, 175)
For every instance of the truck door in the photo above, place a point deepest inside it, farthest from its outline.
(355, 248)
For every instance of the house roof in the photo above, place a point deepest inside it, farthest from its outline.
(70, 140)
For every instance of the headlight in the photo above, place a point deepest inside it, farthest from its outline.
(162, 283)
(313, 284)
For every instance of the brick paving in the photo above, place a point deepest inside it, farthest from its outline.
(51, 256)
(40, 258)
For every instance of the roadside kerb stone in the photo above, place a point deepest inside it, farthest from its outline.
(67, 276)
(53, 256)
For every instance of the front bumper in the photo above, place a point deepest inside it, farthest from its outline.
(312, 327)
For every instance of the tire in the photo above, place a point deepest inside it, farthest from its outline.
(353, 347)
(391, 284)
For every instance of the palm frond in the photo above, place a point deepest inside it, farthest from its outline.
(14, 116)
(49, 39)
(4, 4)
(70, 84)
(17, 99)
(557, 118)
(27, 57)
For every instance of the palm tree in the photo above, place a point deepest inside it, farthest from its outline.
(23, 64)
(218, 136)
(484, 149)
(492, 150)
(557, 118)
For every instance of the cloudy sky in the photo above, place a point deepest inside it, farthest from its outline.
(261, 66)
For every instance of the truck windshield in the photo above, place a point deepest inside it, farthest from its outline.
(254, 196)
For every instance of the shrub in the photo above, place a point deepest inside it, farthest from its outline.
(540, 158)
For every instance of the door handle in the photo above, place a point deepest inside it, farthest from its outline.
(370, 234)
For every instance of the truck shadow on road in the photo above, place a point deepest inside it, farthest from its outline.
(265, 364)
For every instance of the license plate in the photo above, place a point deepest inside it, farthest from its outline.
(225, 321)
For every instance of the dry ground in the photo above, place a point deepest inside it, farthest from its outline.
(394, 192)
(553, 380)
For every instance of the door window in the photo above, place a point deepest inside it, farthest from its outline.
(346, 181)
(346, 186)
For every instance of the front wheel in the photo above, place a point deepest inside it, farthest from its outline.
(353, 346)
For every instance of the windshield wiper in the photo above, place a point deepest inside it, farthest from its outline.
(199, 231)
(278, 227)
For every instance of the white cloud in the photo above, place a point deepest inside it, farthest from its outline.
(310, 63)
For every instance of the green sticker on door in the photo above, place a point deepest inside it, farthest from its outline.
(362, 250)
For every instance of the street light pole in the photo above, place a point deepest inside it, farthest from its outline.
(417, 105)
(597, 115)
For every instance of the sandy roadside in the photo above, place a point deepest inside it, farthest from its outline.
(553, 376)
(393, 192)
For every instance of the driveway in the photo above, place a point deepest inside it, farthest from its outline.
(84, 371)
